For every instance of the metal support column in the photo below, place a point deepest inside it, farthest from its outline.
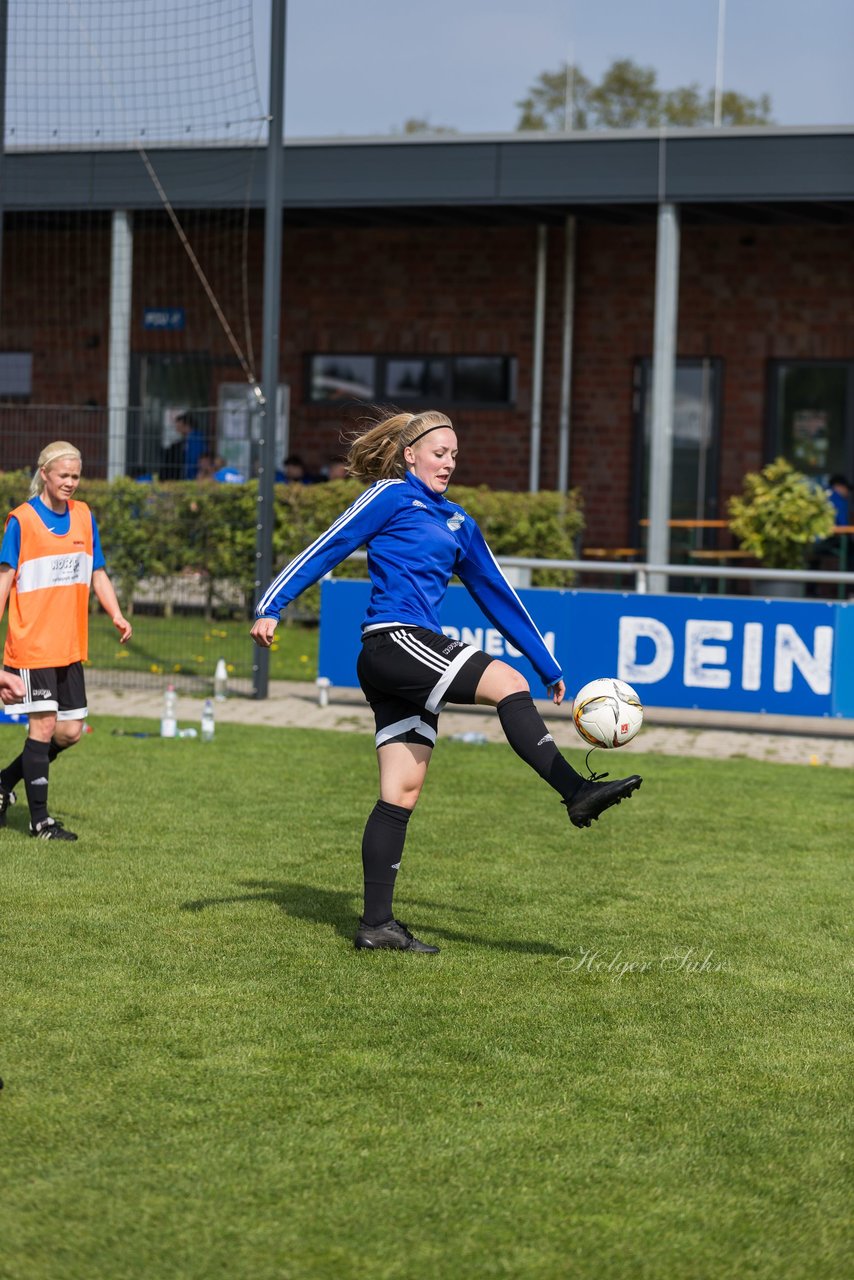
(663, 382)
(118, 355)
(537, 370)
(566, 356)
(265, 513)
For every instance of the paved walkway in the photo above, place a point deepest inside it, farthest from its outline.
(789, 739)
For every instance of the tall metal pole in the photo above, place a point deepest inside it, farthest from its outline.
(537, 371)
(118, 356)
(566, 355)
(719, 64)
(265, 511)
(663, 385)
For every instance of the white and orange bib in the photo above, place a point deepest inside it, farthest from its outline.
(49, 600)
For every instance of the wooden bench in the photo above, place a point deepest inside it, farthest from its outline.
(610, 553)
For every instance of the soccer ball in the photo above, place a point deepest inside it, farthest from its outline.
(607, 713)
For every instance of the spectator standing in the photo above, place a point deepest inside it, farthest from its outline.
(180, 461)
(839, 492)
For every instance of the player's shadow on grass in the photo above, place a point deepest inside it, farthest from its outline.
(338, 908)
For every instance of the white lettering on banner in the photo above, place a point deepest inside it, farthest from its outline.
(491, 641)
(54, 571)
(751, 656)
(700, 656)
(628, 667)
(790, 652)
(704, 664)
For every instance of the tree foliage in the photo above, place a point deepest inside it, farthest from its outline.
(629, 97)
(780, 515)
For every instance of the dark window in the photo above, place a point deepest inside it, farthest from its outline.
(419, 378)
(343, 378)
(812, 416)
(481, 380)
(16, 375)
(417, 381)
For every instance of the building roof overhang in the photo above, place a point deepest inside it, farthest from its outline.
(755, 175)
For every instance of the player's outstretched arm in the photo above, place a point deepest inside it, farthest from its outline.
(263, 631)
(109, 602)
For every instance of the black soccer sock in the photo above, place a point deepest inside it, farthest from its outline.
(36, 766)
(527, 734)
(14, 772)
(382, 850)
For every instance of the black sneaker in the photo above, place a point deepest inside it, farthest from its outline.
(593, 798)
(392, 934)
(6, 798)
(51, 829)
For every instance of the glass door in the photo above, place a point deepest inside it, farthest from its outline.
(696, 434)
(812, 416)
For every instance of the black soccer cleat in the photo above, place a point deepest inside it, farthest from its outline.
(6, 798)
(51, 829)
(593, 798)
(389, 936)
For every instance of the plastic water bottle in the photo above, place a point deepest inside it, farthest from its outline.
(208, 724)
(221, 681)
(169, 721)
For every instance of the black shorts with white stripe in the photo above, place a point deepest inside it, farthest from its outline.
(59, 689)
(408, 674)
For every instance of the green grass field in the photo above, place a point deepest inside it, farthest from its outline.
(631, 1058)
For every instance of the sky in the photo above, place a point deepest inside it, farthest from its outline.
(362, 67)
(106, 71)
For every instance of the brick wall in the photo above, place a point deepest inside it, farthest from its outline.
(748, 294)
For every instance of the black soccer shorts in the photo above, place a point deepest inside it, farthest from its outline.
(408, 674)
(59, 689)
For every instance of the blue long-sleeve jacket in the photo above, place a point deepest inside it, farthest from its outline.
(416, 539)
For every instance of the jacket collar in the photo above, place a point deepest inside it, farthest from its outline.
(423, 489)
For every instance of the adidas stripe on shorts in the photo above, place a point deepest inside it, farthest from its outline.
(59, 689)
(408, 674)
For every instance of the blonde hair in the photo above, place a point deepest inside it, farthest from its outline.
(51, 453)
(377, 454)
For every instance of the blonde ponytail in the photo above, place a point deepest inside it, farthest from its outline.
(50, 454)
(377, 454)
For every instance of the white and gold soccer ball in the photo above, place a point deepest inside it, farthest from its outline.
(607, 713)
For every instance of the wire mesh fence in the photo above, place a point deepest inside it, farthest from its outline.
(179, 544)
(131, 332)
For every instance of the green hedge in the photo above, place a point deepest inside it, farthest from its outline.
(156, 531)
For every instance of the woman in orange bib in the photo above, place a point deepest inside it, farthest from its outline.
(50, 557)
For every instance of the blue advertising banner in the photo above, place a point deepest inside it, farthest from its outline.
(720, 653)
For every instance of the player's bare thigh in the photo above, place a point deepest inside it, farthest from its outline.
(403, 768)
(498, 682)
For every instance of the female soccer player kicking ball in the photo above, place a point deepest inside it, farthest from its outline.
(407, 668)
